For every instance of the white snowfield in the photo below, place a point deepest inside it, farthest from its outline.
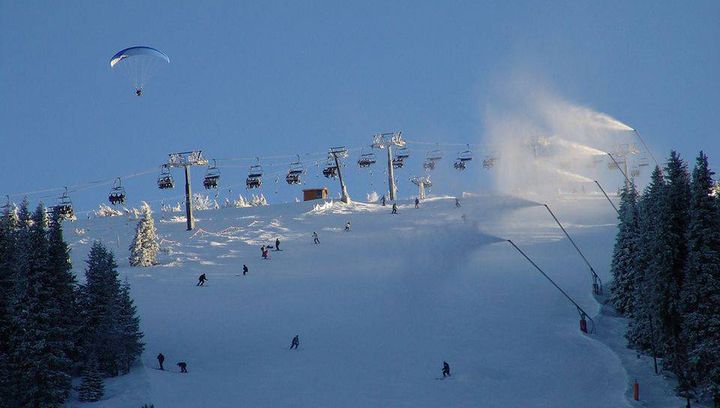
(378, 309)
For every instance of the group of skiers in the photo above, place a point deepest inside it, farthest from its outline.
(181, 364)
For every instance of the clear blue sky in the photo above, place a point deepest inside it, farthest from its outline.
(268, 78)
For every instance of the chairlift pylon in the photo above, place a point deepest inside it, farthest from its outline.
(212, 176)
(117, 193)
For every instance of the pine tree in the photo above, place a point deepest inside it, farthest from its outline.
(701, 292)
(145, 247)
(625, 251)
(8, 235)
(130, 337)
(92, 387)
(40, 351)
(642, 329)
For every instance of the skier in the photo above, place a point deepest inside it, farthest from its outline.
(265, 252)
(315, 238)
(457, 203)
(277, 244)
(161, 359)
(245, 269)
(446, 369)
(347, 226)
(383, 200)
(394, 209)
(183, 366)
(138, 92)
(295, 342)
(417, 203)
(201, 280)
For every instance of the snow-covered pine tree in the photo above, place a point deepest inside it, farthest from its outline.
(145, 247)
(128, 323)
(701, 292)
(625, 251)
(40, 349)
(92, 387)
(642, 328)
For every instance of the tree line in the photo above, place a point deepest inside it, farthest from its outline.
(666, 271)
(52, 328)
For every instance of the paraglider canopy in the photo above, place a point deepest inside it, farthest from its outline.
(139, 64)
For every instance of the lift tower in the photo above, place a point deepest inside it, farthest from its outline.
(186, 160)
(387, 141)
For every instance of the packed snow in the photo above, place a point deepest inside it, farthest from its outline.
(377, 308)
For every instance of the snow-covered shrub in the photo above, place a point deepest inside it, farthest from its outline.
(372, 197)
(204, 202)
(167, 208)
(257, 201)
(144, 248)
(106, 211)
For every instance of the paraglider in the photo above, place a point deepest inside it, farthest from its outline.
(139, 64)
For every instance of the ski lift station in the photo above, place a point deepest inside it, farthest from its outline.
(315, 194)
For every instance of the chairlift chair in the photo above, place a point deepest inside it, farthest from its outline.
(429, 164)
(489, 162)
(64, 207)
(466, 155)
(459, 165)
(117, 194)
(212, 175)
(254, 178)
(165, 180)
(634, 171)
(295, 171)
(434, 155)
(397, 163)
(366, 159)
(330, 170)
(643, 162)
(402, 153)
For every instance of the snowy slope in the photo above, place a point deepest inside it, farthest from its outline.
(377, 309)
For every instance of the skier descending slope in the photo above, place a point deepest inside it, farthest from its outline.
(245, 269)
(417, 203)
(446, 369)
(183, 366)
(315, 238)
(277, 244)
(295, 342)
(201, 280)
(161, 360)
(394, 209)
(347, 226)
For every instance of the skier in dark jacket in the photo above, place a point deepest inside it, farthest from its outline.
(277, 244)
(201, 280)
(265, 252)
(457, 202)
(183, 366)
(347, 226)
(315, 238)
(383, 200)
(161, 360)
(245, 270)
(417, 203)
(446, 369)
(394, 209)
(295, 342)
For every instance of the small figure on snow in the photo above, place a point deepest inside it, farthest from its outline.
(315, 238)
(201, 280)
(446, 369)
(138, 92)
(457, 203)
(295, 342)
(347, 226)
(383, 200)
(245, 269)
(183, 366)
(277, 244)
(394, 209)
(417, 202)
(265, 252)
(161, 360)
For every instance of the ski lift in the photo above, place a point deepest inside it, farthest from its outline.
(212, 175)
(466, 155)
(634, 171)
(643, 162)
(64, 208)
(366, 159)
(397, 163)
(341, 152)
(165, 180)
(434, 155)
(459, 165)
(296, 170)
(330, 170)
(117, 194)
(489, 162)
(254, 178)
(402, 153)
(429, 164)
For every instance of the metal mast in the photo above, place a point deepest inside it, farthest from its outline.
(387, 141)
(186, 160)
